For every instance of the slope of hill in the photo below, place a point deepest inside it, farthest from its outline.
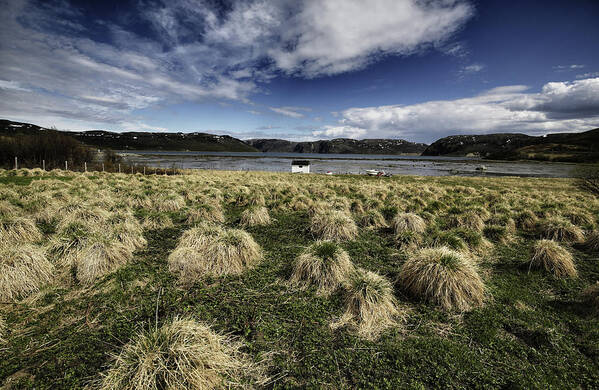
(139, 140)
(340, 145)
(574, 147)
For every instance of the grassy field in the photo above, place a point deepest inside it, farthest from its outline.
(249, 279)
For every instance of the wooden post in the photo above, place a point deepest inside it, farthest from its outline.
(144, 170)
(16, 163)
(44, 165)
(85, 166)
(119, 168)
(102, 167)
(66, 165)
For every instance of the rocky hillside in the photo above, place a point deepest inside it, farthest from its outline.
(574, 147)
(340, 145)
(139, 140)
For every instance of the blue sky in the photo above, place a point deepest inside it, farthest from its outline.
(302, 69)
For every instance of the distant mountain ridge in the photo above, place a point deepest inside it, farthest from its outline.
(569, 147)
(140, 140)
(340, 146)
(573, 147)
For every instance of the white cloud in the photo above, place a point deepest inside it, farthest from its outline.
(560, 106)
(337, 36)
(291, 111)
(471, 69)
(140, 126)
(563, 68)
(340, 132)
(587, 75)
(199, 53)
(13, 85)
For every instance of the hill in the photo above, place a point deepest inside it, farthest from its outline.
(340, 146)
(139, 140)
(573, 147)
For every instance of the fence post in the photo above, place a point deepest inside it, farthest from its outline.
(44, 165)
(66, 165)
(144, 170)
(119, 168)
(102, 167)
(16, 163)
(85, 166)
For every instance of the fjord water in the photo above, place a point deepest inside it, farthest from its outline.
(348, 163)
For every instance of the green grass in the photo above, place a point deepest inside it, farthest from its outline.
(532, 333)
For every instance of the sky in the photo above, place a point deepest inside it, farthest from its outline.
(302, 69)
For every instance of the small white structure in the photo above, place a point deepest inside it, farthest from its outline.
(300, 166)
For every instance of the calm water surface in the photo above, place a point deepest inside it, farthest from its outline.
(348, 163)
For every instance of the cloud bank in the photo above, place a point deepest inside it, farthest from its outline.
(558, 107)
(63, 63)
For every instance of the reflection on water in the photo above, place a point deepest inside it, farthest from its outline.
(352, 163)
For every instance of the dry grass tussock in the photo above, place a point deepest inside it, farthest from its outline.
(213, 250)
(157, 221)
(100, 258)
(560, 229)
(592, 241)
(255, 216)
(408, 222)
(205, 212)
(590, 296)
(16, 230)
(370, 305)
(444, 277)
(323, 264)
(333, 225)
(581, 218)
(23, 270)
(2, 330)
(372, 219)
(550, 256)
(169, 202)
(526, 220)
(183, 354)
(469, 220)
(94, 250)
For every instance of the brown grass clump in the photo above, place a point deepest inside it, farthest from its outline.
(470, 220)
(526, 220)
(373, 219)
(560, 229)
(551, 257)
(581, 218)
(18, 230)
(255, 216)
(590, 295)
(130, 234)
(205, 212)
(444, 277)
(23, 270)
(325, 265)
(181, 355)
(100, 257)
(404, 222)
(333, 225)
(171, 202)
(370, 304)
(157, 221)
(212, 250)
(2, 330)
(88, 215)
(592, 241)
